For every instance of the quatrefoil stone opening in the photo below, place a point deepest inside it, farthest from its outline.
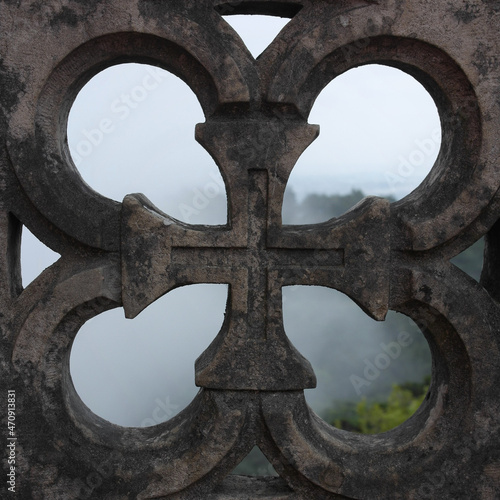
(127, 254)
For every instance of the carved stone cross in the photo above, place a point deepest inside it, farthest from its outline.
(384, 256)
(255, 255)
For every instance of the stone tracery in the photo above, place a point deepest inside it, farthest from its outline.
(383, 256)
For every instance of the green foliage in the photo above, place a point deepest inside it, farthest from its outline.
(343, 415)
(381, 417)
(398, 396)
(367, 417)
(373, 417)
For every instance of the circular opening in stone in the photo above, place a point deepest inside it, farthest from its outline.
(131, 130)
(380, 134)
(140, 372)
(372, 376)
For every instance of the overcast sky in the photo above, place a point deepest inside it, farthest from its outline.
(131, 129)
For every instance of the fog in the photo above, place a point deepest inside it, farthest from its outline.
(131, 129)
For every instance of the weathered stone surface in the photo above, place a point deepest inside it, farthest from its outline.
(384, 256)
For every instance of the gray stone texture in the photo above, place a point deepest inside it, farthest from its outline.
(384, 256)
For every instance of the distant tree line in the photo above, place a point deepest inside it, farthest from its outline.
(319, 207)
